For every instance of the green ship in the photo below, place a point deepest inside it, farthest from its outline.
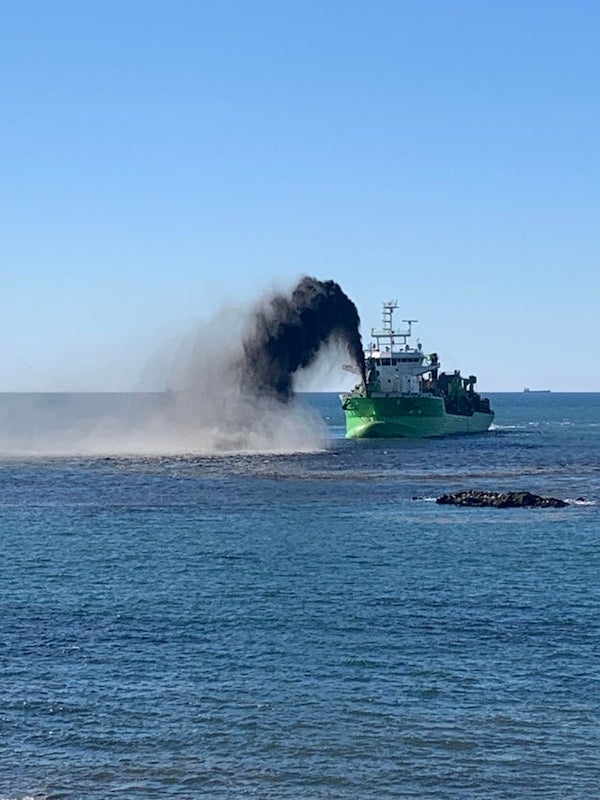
(406, 395)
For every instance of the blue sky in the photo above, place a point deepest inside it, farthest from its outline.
(160, 159)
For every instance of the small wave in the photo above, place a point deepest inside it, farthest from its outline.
(580, 501)
(494, 427)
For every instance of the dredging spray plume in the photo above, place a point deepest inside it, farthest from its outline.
(227, 396)
(287, 333)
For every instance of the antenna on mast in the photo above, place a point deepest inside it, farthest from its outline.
(410, 322)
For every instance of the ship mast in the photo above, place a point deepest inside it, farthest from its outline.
(387, 332)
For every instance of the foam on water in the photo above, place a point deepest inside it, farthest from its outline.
(27, 797)
(155, 424)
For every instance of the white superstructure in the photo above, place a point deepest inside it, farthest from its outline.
(393, 366)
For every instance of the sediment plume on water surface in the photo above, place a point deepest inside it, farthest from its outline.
(289, 330)
(229, 386)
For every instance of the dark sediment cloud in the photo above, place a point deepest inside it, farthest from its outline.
(289, 330)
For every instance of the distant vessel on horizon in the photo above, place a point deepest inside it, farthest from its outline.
(537, 391)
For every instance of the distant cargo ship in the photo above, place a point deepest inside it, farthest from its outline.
(537, 391)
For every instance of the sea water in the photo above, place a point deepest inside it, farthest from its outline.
(303, 625)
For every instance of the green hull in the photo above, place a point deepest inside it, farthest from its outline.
(407, 416)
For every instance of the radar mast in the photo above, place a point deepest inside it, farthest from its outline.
(387, 332)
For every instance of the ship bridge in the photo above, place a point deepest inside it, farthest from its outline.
(393, 366)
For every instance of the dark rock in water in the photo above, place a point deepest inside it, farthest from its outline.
(496, 500)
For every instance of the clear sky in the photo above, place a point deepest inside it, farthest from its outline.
(158, 159)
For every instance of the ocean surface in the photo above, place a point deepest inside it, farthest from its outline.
(305, 625)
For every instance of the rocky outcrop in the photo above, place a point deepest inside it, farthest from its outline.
(479, 499)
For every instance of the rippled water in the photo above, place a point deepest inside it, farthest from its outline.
(306, 625)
